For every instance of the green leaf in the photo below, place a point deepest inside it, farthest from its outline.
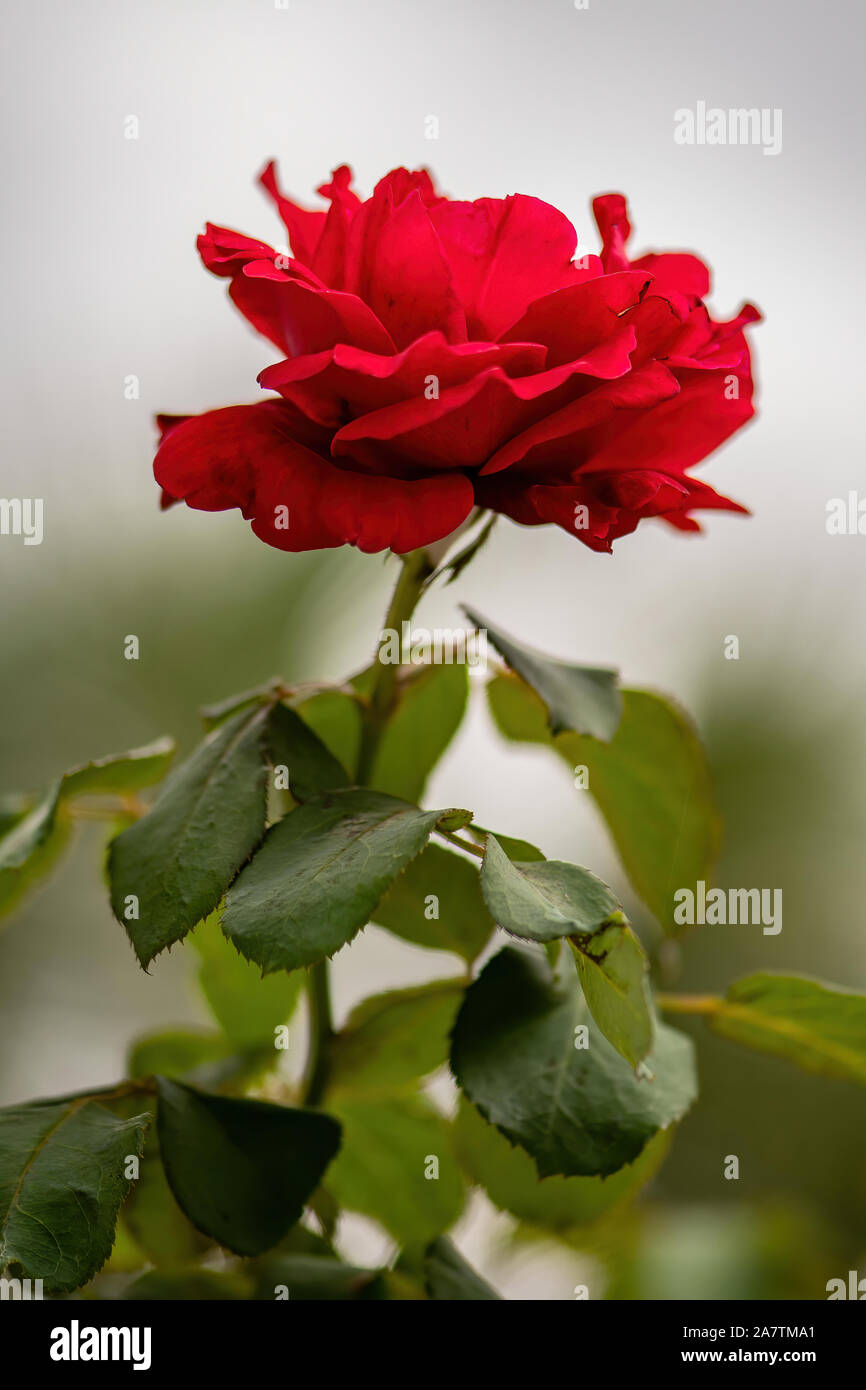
(32, 847)
(62, 1182)
(176, 862)
(335, 718)
(249, 1007)
(175, 1052)
(35, 838)
(820, 1027)
(388, 1145)
(392, 1039)
(266, 694)
(316, 1277)
(508, 1176)
(578, 1110)
(463, 924)
(515, 849)
(311, 766)
(614, 972)
(153, 1217)
(320, 874)
(192, 1284)
(241, 1170)
(455, 566)
(543, 901)
(585, 699)
(448, 1276)
(14, 806)
(651, 784)
(121, 772)
(430, 706)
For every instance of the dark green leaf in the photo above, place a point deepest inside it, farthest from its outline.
(248, 1007)
(819, 1027)
(577, 1110)
(62, 1182)
(192, 1284)
(242, 1170)
(445, 884)
(585, 699)
(651, 784)
(393, 1039)
(153, 1217)
(176, 862)
(388, 1149)
(449, 1277)
(320, 874)
(311, 766)
(509, 1177)
(308, 1277)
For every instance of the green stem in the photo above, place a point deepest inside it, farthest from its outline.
(415, 571)
(462, 844)
(321, 1029)
(689, 1003)
(409, 588)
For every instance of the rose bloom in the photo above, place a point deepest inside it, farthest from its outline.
(437, 356)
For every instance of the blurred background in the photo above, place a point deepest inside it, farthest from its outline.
(103, 284)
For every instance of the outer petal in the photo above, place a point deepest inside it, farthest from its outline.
(286, 302)
(568, 438)
(248, 457)
(680, 432)
(600, 508)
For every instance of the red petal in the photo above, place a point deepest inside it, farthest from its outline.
(504, 253)
(567, 437)
(611, 214)
(574, 320)
(468, 423)
(348, 381)
(248, 457)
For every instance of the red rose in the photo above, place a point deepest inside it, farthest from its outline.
(442, 355)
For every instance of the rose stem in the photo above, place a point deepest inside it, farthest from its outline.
(415, 571)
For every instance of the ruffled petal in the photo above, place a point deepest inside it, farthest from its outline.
(248, 457)
(347, 382)
(504, 253)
